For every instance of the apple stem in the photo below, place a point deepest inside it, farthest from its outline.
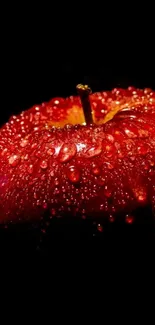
(84, 91)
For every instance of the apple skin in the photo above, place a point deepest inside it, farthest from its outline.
(102, 171)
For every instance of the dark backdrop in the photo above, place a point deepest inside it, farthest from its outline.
(45, 52)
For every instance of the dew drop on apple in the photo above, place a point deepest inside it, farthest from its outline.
(110, 138)
(56, 182)
(131, 132)
(67, 152)
(50, 151)
(111, 218)
(107, 192)
(38, 153)
(101, 181)
(35, 195)
(30, 169)
(52, 173)
(110, 150)
(4, 152)
(129, 219)
(109, 165)
(83, 212)
(34, 146)
(142, 149)
(53, 212)
(143, 133)
(145, 166)
(38, 202)
(26, 157)
(43, 177)
(141, 197)
(152, 163)
(14, 160)
(140, 194)
(100, 227)
(93, 151)
(23, 143)
(68, 202)
(45, 205)
(101, 207)
(73, 174)
(96, 170)
(43, 164)
(56, 191)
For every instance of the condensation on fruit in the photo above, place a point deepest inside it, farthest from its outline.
(67, 152)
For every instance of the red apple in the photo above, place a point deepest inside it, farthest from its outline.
(102, 170)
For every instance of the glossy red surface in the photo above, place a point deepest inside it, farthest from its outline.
(90, 171)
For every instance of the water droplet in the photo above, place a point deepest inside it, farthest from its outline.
(147, 91)
(129, 218)
(37, 108)
(152, 163)
(132, 158)
(43, 177)
(140, 194)
(38, 154)
(141, 197)
(96, 170)
(100, 227)
(4, 152)
(110, 138)
(46, 137)
(107, 192)
(56, 182)
(101, 181)
(143, 133)
(38, 202)
(118, 135)
(111, 218)
(131, 132)
(23, 143)
(35, 195)
(145, 165)
(109, 165)
(83, 211)
(56, 191)
(93, 151)
(34, 146)
(44, 205)
(120, 154)
(14, 160)
(101, 207)
(26, 157)
(67, 152)
(53, 212)
(43, 164)
(30, 169)
(73, 174)
(52, 173)
(50, 151)
(142, 149)
(110, 150)
(68, 202)
(35, 129)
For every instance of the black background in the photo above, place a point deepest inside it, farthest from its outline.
(45, 53)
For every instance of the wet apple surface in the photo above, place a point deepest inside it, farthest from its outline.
(52, 165)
